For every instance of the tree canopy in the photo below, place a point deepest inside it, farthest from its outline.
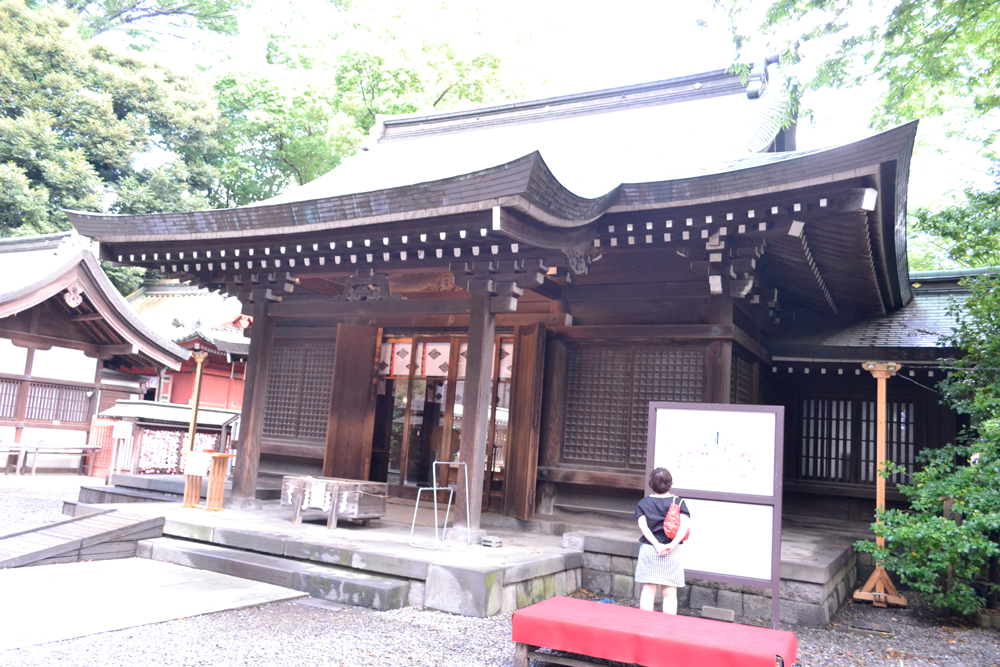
(313, 101)
(150, 19)
(927, 55)
(925, 58)
(76, 119)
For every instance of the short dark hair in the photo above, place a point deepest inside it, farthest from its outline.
(661, 480)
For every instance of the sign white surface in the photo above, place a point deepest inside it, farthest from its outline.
(722, 452)
(196, 462)
(122, 431)
(731, 539)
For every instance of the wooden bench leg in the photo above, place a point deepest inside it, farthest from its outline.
(521, 653)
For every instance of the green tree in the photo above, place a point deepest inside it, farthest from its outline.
(278, 130)
(149, 19)
(970, 233)
(952, 561)
(76, 118)
(956, 563)
(315, 101)
(927, 55)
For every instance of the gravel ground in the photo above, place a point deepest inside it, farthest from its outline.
(27, 501)
(291, 633)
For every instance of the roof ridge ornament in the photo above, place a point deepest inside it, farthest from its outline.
(74, 295)
(757, 83)
(366, 285)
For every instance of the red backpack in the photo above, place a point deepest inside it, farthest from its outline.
(672, 522)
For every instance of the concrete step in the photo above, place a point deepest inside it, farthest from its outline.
(174, 485)
(329, 582)
(121, 494)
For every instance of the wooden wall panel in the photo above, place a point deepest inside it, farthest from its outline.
(352, 403)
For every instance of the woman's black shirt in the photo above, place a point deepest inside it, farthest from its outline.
(655, 510)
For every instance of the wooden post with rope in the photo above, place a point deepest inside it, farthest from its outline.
(879, 588)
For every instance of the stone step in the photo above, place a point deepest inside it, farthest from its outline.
(329, 582)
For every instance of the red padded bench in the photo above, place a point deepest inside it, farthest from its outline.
(648, 638)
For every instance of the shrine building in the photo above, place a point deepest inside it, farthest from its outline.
(511, 285)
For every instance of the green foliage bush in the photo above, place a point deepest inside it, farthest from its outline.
(948, 560)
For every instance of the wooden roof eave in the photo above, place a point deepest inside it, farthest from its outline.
(533, 194)
(83, 269)
(525, 184)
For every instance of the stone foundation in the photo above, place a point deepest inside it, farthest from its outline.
(811, 589)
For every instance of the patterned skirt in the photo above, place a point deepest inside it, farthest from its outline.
(653, 568)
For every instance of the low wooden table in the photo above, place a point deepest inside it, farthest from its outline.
(349, 499)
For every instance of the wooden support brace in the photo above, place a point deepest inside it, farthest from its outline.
(331, 520)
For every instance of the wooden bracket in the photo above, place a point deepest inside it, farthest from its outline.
(879, 590)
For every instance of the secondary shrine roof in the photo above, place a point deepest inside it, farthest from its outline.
(183, 313)
(34, 269)
(924, 322)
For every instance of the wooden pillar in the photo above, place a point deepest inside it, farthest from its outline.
(719, 356)
(258, 366)
(21, 407)
(475, 412)
(199, 360)
(879, 588)
(191, 481)
(493, 287)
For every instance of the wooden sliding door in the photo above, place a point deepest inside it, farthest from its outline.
(525, 421)
(352, 404)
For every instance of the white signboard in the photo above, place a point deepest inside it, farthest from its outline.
(725, 461)
(732, 539)
(717, 451)
(122, 431)
(196, 462)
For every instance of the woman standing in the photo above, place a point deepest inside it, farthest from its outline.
(660, 557)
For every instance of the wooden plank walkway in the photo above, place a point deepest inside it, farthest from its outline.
(104, 535)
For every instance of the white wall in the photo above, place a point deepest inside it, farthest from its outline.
(61, 363)
(12, 357)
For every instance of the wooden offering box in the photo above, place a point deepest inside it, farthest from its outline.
(349, 499)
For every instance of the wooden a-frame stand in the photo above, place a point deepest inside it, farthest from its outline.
(879, 589)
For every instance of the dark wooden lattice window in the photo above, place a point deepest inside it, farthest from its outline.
(298, 392)
(608, 396)
(836, 440)
(900, 439)
(50, 402)
(8, 398)
(597, 406)
(825, 448)
(741, 381)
